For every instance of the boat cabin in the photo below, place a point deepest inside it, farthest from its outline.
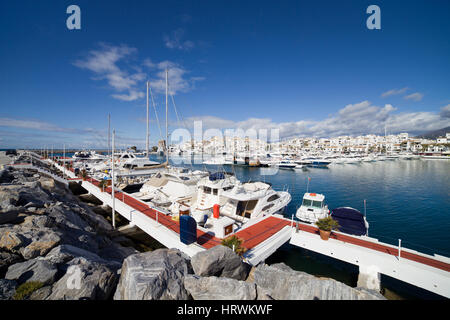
(313, 200)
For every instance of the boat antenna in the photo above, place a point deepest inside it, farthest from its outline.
(364, 207)
(307, 184)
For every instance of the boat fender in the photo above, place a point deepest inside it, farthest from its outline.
(216, 211)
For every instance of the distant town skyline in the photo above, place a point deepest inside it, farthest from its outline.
(303, 68)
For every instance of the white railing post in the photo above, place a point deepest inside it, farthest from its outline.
(292, 221)
(399, 248)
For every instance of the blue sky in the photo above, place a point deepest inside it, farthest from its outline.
(307, 68)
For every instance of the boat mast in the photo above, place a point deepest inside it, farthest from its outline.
(109, 133)
(167, 113)
(147, 136)
(112, 183)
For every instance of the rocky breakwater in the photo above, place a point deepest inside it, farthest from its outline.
(220, 274)
(53, 246)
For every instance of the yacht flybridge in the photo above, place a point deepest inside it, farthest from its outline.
(210, 191)
(253, 200)
(169, 186)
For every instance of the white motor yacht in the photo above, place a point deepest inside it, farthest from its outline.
(170, 185)
(284, 164)
(209, 192)
(252, 201)
(313, 208)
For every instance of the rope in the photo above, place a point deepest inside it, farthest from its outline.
(156, 114)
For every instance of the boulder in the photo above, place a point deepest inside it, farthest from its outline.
(47, 183)
(9, 216)
(155, 275)
(214, 288)
(32, 270)
(40, 245)
(220, 261)
(84, 280)
(41, 294)
(66, 252)
(7, 259)
(116, 252)
(9, 195)
(7, 289)
(38, 221)
(12, 241)
(282, 283)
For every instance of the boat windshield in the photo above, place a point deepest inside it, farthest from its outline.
(312, 203)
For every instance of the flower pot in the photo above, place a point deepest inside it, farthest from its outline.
(324, 235)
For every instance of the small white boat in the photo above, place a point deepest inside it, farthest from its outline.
(313, 208)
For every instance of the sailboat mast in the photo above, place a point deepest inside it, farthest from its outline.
(146, 137)
(109, 133)
(167, 114)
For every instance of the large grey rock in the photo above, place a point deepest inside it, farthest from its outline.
(32, 270)
(155, 275)
(282, 283)
(38, 221)
(7, 289)
(214, 288)
(9, 216)
(22, 194)
(220, 261)
(85, 279)
(41, 243)
(9, 195)
(116, 252)
(66, 252)
(7, 259)
(41, 294)
(12, 241)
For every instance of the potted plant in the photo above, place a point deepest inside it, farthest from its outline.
(83, 174)
(102, 183)
(235, 243)
(325, 226)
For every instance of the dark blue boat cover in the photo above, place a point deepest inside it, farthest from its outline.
(216, 176)
(188, 229)
(350, 220)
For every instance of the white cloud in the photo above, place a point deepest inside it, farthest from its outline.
(417, 96)
(354, 119)
(131, 96)
(111, 63)
(104, 63)
(445, 111)
(177, 76)
(394, 92)
(175, 41)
